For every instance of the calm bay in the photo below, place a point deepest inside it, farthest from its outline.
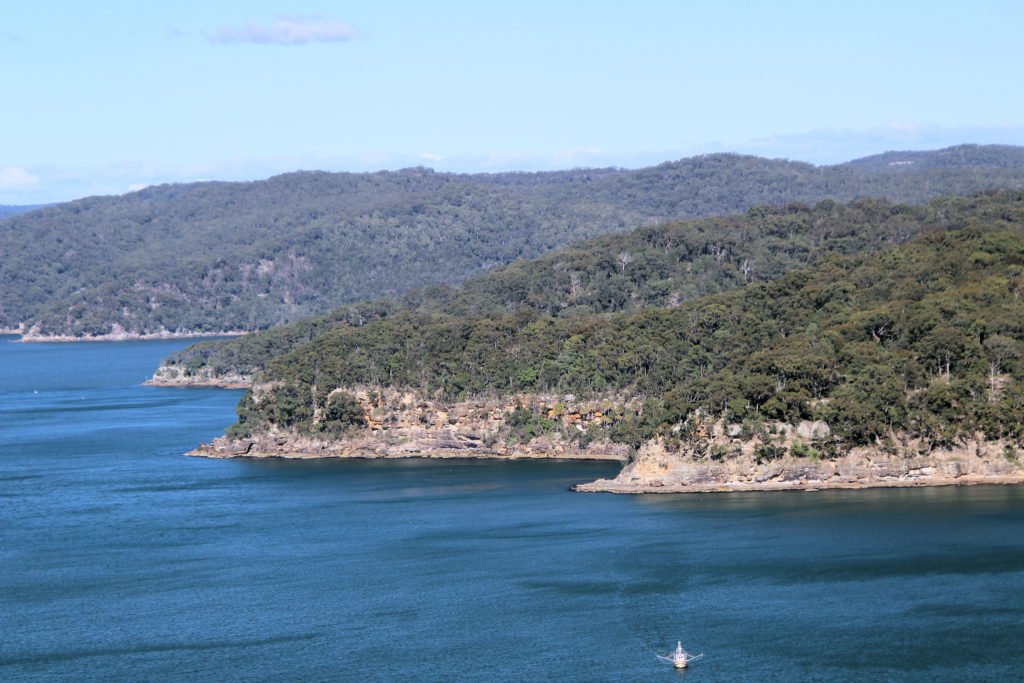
(122, 559)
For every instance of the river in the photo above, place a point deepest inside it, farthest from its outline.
(122, 559)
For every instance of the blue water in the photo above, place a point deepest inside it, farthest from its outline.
(121, 559)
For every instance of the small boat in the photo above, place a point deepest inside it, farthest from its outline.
(680, 658)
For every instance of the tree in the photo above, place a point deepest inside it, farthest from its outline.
(624, 258)
(999, 349)
(342, 411)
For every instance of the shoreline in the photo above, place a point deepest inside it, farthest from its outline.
(434, 444)
(383, 452)
(224, 450)
(440, 431)
(197, 382)
(179, 376)
(611, 486)
(114, 337)
(424, 455)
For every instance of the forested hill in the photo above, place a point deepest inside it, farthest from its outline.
(920, 342)
(962, 156)
(226, 256)
(7, 210)
(658, 266)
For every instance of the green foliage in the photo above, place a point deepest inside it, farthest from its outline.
(769, 452)
(718, 453)
(220, 256)
(238, 431)
(769, 241)
(290, 406)
(926, 342)
(802, 450)
(341, 412)
(592, 434)
(527, 425)
(194, 364)
(248, 417)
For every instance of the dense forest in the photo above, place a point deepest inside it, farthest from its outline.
(919, 341)
(661, 266)
(7, 210)
(217, 256)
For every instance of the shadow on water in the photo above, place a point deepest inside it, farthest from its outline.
(947, 501)
(154, 647)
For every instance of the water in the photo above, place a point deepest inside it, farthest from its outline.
(121, 559)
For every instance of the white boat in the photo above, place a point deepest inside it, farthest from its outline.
(680, 658)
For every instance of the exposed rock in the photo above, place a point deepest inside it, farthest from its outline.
(427, 445)
(117, 333)
(850, 469)
(813, 431)
(402, 425)
(175, 376)
(395, 429)
(659, 470)
(888, 470)
(1001, 468)
(804, 473)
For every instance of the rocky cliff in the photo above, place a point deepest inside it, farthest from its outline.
(428, 442)
(713, 456)
(176, 376)
(404, 424)
(746, 468)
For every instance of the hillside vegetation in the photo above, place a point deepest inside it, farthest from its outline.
(7, 210)
(921, 341)
(207, 257)
(662, 266)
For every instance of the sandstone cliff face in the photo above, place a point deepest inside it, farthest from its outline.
(657, 470)
(404, 424)
(421, 443)
(714, 457)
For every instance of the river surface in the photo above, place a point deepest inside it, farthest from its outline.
(120, 559)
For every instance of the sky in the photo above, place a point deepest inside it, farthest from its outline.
(109, 97)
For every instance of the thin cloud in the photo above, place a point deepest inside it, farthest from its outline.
(286, 31)
(16, 178)
(833, 146)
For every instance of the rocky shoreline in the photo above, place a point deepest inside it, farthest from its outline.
(658, 471)
(35, 337)
(413, 443)
(718, 457)
(654, 470)
(611, 486)
(177, 376)
(218, 382)
(407, 425)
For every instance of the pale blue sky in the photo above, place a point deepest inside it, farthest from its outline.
(101, 98)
